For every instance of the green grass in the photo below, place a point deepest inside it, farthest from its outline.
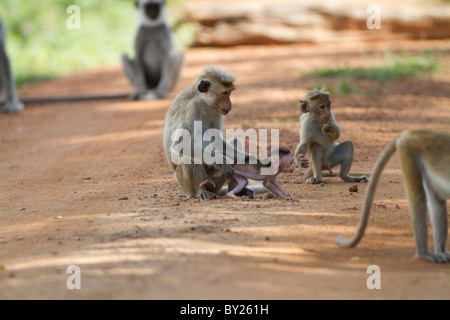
(406, 67)
(41, 46)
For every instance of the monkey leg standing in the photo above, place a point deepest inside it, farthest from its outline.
(425, 162)
(7, 86)
(420, 192)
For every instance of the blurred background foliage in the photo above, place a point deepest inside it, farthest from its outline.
(44, 47)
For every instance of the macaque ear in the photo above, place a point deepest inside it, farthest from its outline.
(203, 86)
(275, 161)
(304, 106)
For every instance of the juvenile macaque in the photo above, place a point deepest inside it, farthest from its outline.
(243, 172)
(425, 163)
(318, 134)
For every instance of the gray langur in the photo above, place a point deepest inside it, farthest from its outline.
(7, 86)
(156, 67)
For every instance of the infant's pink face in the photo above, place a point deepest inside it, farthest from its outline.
(287, 163)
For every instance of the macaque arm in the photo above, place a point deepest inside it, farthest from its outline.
(335, 132)
(301, 149)
(139, 71)
(5, 74)
(163, 86)
(270, 184)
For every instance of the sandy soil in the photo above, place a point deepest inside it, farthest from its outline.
(87, 184)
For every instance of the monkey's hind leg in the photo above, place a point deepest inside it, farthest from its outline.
(129, 67)
(315, 158)
(190, 176)
(170, 76)
(241, 183)
(438, 217)
(417, 201)
(7, 86)
(343, 155)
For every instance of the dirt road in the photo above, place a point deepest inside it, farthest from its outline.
(87, 184)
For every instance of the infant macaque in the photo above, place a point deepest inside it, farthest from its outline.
(243, 172)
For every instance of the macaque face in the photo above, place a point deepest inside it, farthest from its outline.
(224, 102)
(218, 97)
(322, 110)
(287, 164)
(319, 108)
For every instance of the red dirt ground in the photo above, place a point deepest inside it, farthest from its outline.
(64, 168)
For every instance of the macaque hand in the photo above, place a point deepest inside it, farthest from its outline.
(301, 161)
(206, 181)
(328, 128)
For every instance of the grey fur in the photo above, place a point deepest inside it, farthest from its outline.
(7, 86)
(155, 70)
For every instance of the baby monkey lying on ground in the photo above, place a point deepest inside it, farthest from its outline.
(243, 172)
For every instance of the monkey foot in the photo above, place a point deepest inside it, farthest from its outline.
(313, 181)
(356, 179)
(12, 106)
(208, 195)
(149, 95)
(233, 196)
(438, 257)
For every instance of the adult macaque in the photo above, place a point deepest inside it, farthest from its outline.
(157, 64)
(7, 86)
(205, 101)
(242, 172)
(318, 134)
(425, 163)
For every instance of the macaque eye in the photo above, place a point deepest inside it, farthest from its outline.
(226, 93)
(322, 107)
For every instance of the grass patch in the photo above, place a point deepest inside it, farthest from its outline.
(397, 68)
(248, 124)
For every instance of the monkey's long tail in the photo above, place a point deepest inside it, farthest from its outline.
(370, 192)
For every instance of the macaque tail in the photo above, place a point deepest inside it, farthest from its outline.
(370, 192)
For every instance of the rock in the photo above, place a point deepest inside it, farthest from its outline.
(248, 23)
